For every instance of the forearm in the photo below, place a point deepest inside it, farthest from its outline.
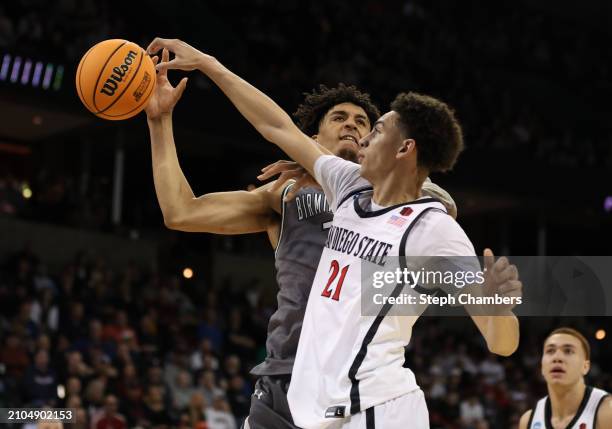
(171, 186)
(270, 120)
(502, 334)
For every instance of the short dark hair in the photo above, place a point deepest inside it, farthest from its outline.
(574, 333)
(432, 124)
(318, 102)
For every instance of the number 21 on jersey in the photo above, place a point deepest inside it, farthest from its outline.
(329, 287)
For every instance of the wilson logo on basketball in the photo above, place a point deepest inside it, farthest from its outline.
(112, 83)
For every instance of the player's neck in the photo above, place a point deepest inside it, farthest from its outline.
(396, 188)
(564, 401)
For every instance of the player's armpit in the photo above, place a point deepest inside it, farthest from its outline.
(525, 419)
(237, 212)
(604, 414)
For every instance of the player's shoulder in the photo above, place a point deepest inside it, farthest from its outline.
(440, 223)
(441, 235)
(603, 413)
(524, 422)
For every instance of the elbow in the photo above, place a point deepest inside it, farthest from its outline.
(172, 222)
(173, 219)
(504, 349)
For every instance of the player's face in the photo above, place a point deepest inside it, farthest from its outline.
(563, 360)
(341, 129)
(379, 148)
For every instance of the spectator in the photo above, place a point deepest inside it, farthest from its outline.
(40, 381)
(109, 417)
(208, 388)
(198, 357)
(14, 356)
(182, 391)
(219, 416)
(471, 413)
(155, 411)
(196, 409)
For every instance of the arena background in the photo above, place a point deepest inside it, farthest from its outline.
(97, 309)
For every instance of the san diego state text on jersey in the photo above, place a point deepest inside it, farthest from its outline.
(351, 242)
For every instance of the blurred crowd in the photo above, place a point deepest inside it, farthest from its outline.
(133, 348)
(56, 198)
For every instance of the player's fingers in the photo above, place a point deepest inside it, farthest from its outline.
(489, 259)
(180, 88)
(282, 179)
(164, 66)
(155, 59)
(291, 194)
(278, 169)
(280, 165)
(501, 264)
(509, 273)
(511, 287)
(157, 44)
(302, 182)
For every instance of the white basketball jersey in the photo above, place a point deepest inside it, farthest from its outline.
(585, 416)
(346, 362)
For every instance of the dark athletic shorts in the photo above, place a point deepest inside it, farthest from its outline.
(269, 406)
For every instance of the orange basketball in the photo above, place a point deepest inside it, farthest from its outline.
(115, 79)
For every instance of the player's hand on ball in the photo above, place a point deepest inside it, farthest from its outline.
(186, 57)
(288, 170)
(501, 278)
(165, 96)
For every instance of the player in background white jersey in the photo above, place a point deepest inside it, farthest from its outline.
(570, 403)
(396, 166)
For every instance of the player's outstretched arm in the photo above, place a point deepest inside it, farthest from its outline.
(525, 419)
(272, 122)
(238, 212)
(498, 324)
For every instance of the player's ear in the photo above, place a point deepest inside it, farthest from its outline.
(586, 367)
(407, 146)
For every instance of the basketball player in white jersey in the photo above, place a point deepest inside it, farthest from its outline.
(570, 403)
(348, 370)
(339, 117)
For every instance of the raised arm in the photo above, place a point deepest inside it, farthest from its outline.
(238, 212)
(272, 122)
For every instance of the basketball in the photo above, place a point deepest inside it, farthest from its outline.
(115, 79)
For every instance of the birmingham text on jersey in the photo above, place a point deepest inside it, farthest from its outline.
(311, 204)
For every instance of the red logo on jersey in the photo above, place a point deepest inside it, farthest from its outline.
(406, 211)
(583, 426)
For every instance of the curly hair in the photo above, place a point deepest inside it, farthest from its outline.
(317, 103)
(432, 124)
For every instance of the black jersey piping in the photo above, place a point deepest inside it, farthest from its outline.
(581, 407)
(353, 193)
(280, 234)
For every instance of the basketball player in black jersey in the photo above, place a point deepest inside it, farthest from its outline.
(338, 118)
(570, 403)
